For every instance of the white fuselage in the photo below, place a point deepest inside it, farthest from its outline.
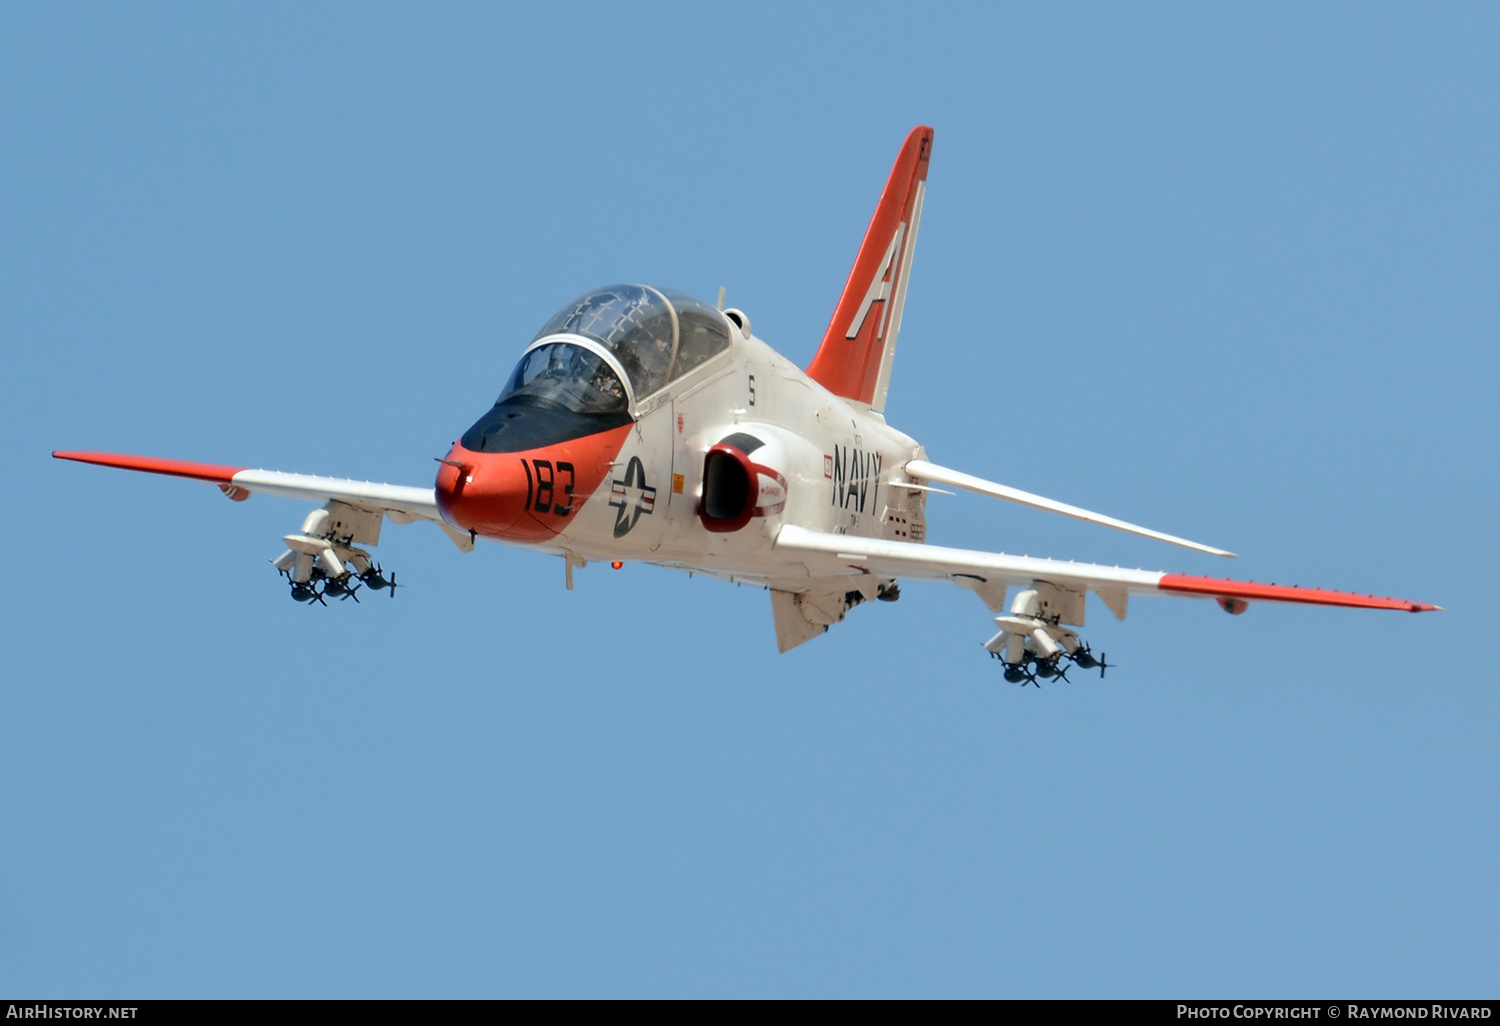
(842, 467)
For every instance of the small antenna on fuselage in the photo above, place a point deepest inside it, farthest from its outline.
(721, 297)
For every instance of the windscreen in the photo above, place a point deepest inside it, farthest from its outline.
(557, 392)
(568, 376)
(634, 322)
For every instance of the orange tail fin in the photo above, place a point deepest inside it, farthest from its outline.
(854, 360)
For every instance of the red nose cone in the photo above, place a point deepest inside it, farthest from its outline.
(528, 496)
(487, 494)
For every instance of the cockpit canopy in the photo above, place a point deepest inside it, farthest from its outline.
(566, 389)
(658, 335)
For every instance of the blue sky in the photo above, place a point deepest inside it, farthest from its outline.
(1229, 272)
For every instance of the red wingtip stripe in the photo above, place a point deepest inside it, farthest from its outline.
(1283, 593)
(219, 475)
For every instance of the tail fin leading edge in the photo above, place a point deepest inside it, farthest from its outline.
(854, 360)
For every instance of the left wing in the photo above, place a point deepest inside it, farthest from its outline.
(990, 573)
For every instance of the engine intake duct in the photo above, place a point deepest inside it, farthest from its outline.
(736, 489)
(729, 489)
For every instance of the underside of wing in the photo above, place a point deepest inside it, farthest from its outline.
(325, 557)
(401, 503)
(1036, 637)
(990, 573)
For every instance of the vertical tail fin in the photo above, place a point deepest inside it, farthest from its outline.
(854, 360)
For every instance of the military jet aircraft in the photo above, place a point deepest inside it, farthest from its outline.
(642, 424)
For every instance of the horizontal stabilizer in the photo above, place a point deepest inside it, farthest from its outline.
(942, 475)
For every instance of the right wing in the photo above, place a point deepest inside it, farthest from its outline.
(401, 503)
(990, 573)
